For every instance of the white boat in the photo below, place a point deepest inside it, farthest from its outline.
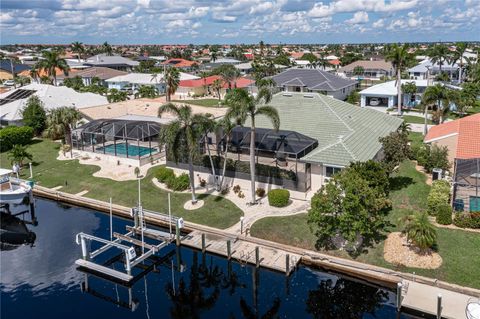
(12, 190)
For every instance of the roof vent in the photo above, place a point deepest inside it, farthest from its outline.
(287, 94)
(309, 96)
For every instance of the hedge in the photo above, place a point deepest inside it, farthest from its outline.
(163, 173)
(439, 195)
(166, 175)
(278, 197)
(444, 214)
(15, 135)
(467, 220)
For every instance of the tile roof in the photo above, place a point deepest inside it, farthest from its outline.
(103, 59)
(312, 79)
(468, 131)
(367, 64)
(179, 63)
(345, 132)
(100, 72)
(240, 82)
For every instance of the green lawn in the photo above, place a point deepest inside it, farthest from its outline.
(416, 138)
(458, 248)
(415, 119)
(74, 177)
(201, 102)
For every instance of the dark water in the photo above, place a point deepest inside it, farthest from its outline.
(43, 282)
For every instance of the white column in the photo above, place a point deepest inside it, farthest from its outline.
(363, 100)
(390, 101)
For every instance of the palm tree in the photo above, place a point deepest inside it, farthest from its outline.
(51, 63)
(358, 70)
(114, 95)
(146, 91)
(184, 133)
(34, 73)
(78, 48)
(172, 80)
(399, 56)
(204, 76)
(61, 121)
(409, 88)
(457, 56)
(18, 154)
(436, 95)
(439, 54)
(227, 127)
(322, 62)
(468, 97)
(230, 74)
(217, 85)
(243, 106)
(107, 48)
(420, 231)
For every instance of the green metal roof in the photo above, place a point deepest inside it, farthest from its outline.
(345, 132)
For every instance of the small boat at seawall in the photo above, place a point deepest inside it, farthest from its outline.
(12, 190)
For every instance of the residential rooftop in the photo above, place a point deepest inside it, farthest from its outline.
(312, 79)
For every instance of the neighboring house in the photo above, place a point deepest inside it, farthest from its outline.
(247, 68)
(426, 69)
(41, 73)
(94, 72)
(182, 64)
(6, 69)
(132, 81)
(372, 70)
(318, 136)
(116, 62)
(199, 87)
(385, 94)
(462, 137)
(13, 102)
(313, 80)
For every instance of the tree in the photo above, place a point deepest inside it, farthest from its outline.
(107, 48)
(230, 74)
(395, 148)
(437, 157)
(78, 48)
(34, 114)
(75, 83)
(217, 85)
(358, 70)
(243, 106)
(227, 127)
(439, 54)
(457, 56)
(114, 95)
(61, 121)
(353, 97)
(51, 63)
(183, 133)
(409, 88)
(352, 206)
(399, 57)
(468, 97)
(172, 80)
(34, 73)
(18, 154)
(310, 57)
(436, 96)
(146, 91)
(420, 231)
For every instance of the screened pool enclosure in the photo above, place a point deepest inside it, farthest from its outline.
(122, 138)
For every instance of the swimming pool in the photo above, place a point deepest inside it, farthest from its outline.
(133, 150)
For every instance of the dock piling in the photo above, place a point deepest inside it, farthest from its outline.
(203, 244)
(229, 249)
(439, 306)
(84, 248)
(287, 264)
(399, 296)
(177, 235)
(257, 256)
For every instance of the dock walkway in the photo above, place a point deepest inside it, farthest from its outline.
(244, 251)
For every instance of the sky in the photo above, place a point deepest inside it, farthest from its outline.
(237, 21)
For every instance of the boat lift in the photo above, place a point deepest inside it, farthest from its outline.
(126, 243)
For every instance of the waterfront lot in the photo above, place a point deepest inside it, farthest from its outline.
(74, 178)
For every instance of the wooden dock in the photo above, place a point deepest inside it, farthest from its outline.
(244, 251)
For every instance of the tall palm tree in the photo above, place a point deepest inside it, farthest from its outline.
(230, 75)
(243, 106)
(457, 56)
(52, 61)
(34, 73)
(184, 133)
(399, 56)
(227, 126)
(439, 54)
(409, 88)
(78, 48)
(217, 85)
(107, 48)
(204, 76)
(61, 121)
(435, 95)
(172, 80)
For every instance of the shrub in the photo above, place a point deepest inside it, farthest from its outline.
(278, 197)
(437, 158)
(34, 114)
(203, 182)
(178, 184)
(439, 195)
(260, 192)
(467, 220)
(241, 194)
(225, 191)
(163, 173)
(15, 135)
(236, 189)
(444, 214)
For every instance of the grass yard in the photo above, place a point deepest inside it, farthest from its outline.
(74, 177)
(201, 102)
(458, 248)
(415, 119)
(416, 139)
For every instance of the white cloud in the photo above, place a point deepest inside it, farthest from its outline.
(262, 7)
(358, 18)
(380, 23)
(320, 10)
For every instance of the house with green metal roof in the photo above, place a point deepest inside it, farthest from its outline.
(345, 133)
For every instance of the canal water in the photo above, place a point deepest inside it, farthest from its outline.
(41, 281)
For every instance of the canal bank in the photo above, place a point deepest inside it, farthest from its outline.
(370, 273)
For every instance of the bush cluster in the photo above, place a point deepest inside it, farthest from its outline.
(439, 196)
(15, 135)
(167, 176)
(444, 214)
(467, 220)
(278, 197)
(431, 157)
(260, 192)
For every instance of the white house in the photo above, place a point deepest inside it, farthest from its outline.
(134, 80)
(385, 94)
(426, 68)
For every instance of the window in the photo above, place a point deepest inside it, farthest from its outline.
(330, 171)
